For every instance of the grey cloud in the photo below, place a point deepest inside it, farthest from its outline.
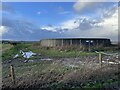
(109, 12)
(25, 30)
(86, 24)
(80, 7)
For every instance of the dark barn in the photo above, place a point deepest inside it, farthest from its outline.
(61, 42)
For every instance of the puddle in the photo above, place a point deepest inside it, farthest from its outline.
(47, 59)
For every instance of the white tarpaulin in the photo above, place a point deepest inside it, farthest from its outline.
(25, 54)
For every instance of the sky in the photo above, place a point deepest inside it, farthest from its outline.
(39, 20)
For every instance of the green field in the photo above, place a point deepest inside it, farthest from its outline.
(52, 53)
(4, 47)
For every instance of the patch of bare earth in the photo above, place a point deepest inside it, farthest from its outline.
(65, 74)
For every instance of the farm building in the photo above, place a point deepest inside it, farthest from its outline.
(96, 42)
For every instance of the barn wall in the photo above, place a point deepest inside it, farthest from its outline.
(77, 42)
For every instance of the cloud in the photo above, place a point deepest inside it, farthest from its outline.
(69, 24)
(80, 4)
(77, 23)
(90, 6)
(21, 29)
(49, 28)
(107, 12)
(107, 27)
(83, 26)
(81, 23)
(3, 30)
(15, 27)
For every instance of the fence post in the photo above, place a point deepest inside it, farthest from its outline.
(100, 58)
(12, 73)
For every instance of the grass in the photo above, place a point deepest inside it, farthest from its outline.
(99, 85)
(9, 53)
(55, 53)
(52, 74)
(58, 54)
(51, 53)
(55, 75)
(5, 47)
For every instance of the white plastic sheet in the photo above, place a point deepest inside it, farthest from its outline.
(25, 54)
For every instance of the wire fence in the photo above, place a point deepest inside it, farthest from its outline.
(109, 58)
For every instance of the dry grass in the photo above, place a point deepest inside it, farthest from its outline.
(73, 70)
(54, 74)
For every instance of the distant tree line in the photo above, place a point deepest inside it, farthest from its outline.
(16, 42)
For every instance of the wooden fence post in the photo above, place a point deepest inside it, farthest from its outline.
(100, 59)
(12, 73)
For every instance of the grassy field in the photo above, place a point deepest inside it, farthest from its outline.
(68, 70)
(51, 53)
(4, 47)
